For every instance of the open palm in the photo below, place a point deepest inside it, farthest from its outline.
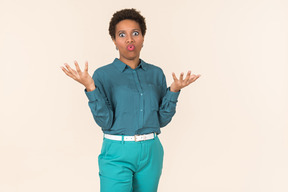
(181, 83)
(79, 76)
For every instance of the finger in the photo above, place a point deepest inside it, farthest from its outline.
(193, 78)
(181, 76)
(67, 72)
(77, 67)
(187, 76)
(72, 71)
(197, 77)
(174, 76)
(86, 66)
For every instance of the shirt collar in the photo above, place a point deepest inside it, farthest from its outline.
(122, 66)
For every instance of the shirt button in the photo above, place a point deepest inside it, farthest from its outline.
(141, 94)
(141, 109)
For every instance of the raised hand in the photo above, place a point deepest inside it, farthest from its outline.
(82, 77)
(180, 83)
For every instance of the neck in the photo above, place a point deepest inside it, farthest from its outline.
(133, 63)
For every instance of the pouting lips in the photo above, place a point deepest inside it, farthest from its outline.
(130, 47)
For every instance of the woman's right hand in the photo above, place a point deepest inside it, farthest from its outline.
(82, 77)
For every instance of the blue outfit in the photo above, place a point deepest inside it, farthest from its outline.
(131, 102)
(130, 166)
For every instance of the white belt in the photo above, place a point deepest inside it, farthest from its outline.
(130, 138)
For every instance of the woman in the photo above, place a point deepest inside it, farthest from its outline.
(130, 101)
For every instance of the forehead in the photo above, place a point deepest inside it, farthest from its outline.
(127, 24)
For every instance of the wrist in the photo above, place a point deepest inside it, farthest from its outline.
(173, 90)
(90, 88)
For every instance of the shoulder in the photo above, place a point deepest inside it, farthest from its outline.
(154, 68)
(156, 73)
(102, 70)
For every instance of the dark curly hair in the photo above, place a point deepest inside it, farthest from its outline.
(123, 14)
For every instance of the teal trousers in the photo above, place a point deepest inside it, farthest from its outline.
(129, 166)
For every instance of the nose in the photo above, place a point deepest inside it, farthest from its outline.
(129, 39)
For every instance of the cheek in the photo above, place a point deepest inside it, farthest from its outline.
(119, 41)
(139, 40)
(120, 46)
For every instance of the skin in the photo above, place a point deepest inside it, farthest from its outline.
(127, 32)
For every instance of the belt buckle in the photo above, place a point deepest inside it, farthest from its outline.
(135, 138)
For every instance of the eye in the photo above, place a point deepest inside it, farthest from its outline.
(136, 33)
(121, 34)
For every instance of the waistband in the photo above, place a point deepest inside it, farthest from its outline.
(134, 138)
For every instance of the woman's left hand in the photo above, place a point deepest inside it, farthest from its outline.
(180, 83)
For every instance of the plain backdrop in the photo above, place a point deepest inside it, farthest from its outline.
(229, 133)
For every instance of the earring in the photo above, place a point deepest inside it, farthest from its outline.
(142, 45)
(116, 48)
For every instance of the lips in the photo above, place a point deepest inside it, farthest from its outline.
(131, 47)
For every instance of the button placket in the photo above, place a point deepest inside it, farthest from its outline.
(141, 114)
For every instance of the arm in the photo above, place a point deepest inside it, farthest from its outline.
(99, 104)
(167, 104)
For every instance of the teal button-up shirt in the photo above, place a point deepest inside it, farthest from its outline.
(130, 101)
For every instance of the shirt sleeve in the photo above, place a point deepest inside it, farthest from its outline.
(99, 104)
(167, 104)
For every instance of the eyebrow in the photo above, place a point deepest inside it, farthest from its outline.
(132, 30)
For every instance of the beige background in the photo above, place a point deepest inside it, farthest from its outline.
(229, 133)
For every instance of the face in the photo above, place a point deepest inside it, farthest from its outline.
(128, 39)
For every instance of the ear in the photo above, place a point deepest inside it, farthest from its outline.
(114, 42)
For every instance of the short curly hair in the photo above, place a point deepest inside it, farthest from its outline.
(123, 14)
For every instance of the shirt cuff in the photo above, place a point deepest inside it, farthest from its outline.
(172, 96)
(92, 95)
